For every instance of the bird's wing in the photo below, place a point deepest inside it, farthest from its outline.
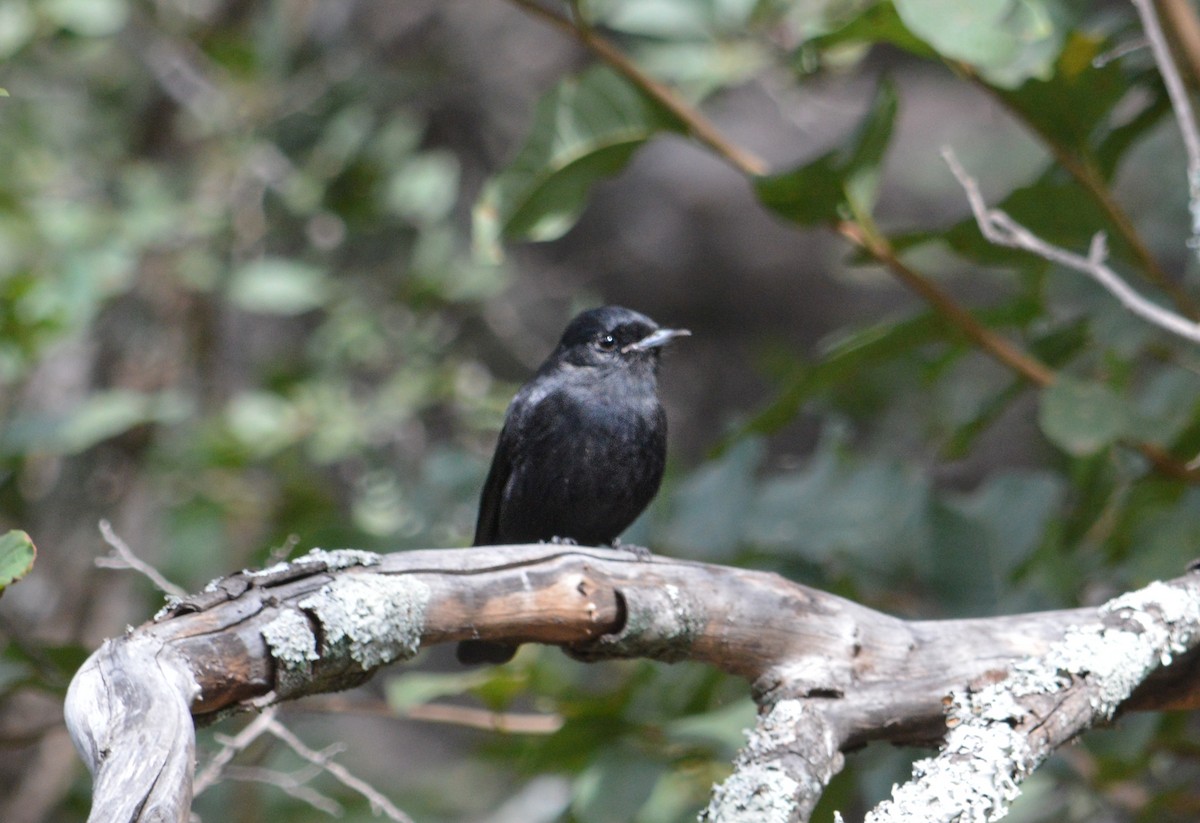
(487, 527)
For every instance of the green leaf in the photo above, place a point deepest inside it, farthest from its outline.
(839, 182)
(17, 554)
(1165, 405)
(277, 285)
(615, 786)
(585, 130)
(1082, 417)
(726, 726)
(88, 18)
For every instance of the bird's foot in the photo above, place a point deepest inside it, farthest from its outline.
(640, 552)
(562, 541)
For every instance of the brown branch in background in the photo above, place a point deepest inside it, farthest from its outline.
(1181, 104)
(1182, 28)
(697, 125)
(470, 717)
(998, 347)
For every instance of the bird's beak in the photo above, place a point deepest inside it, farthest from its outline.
(656, 339)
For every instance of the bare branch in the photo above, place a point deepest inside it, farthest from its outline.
(230, 748)
(379, 803)
(1001, 229)
(293, 785)
(1023, 363)
(126, 559)
(329, 619)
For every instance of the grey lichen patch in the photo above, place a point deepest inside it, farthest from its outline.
(294, 648)
(987, 754)
(342, 558)
(790, 755)
(374, 619)
(754, 794)
(973, 779)
(320, 558)
(1154, 624)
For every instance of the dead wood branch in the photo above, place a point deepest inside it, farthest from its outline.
(330, 619)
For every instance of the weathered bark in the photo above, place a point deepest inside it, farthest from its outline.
(330, 619)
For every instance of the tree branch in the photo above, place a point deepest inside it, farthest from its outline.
(330, 619)
(999, 734)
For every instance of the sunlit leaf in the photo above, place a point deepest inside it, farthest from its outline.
(17, 554)
(1007, 41)
(276, 285)
(877, 23)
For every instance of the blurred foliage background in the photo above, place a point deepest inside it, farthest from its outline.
(269, 273)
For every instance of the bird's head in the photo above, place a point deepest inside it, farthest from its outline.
(613, 336)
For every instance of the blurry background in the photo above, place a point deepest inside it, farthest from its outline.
(240, 312)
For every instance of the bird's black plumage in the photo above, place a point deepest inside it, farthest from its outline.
(583, 446)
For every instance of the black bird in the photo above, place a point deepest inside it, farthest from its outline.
(583, 446)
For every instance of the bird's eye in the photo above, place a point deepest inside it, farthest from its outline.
(606, 343)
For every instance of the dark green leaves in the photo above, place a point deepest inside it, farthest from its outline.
(839, 184)
(585, 130)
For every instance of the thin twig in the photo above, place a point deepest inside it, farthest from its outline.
(466, 716)
(126, 559)
(231, 747)
(697, 124)
(268, 723)
(1181, 104)
(379, 803)
(293, 785)
(1001, 229)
